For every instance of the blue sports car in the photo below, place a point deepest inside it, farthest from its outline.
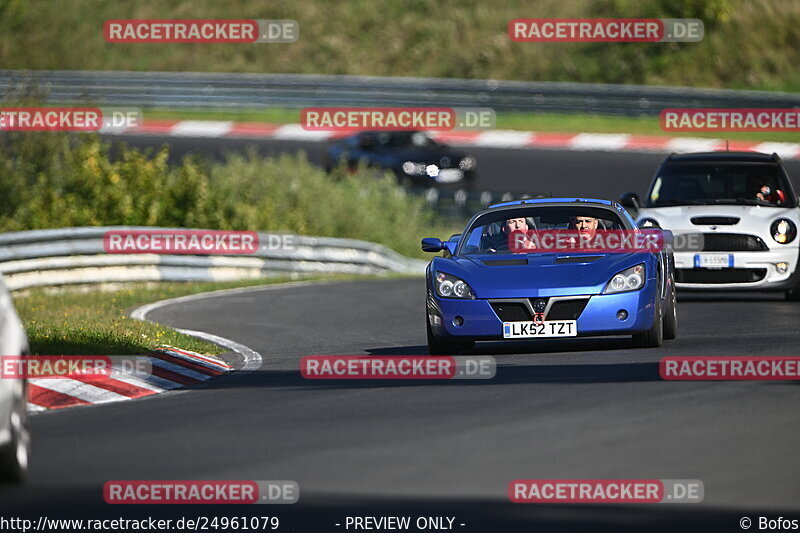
(500, 279)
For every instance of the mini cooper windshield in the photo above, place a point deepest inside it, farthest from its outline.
(716, 183)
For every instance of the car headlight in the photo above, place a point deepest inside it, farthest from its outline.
(783, 231)
(468, 163)
(448, 286)
(413, 169)
(649, 223)
(630, 279)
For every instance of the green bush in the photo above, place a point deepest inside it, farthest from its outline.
(50, 180)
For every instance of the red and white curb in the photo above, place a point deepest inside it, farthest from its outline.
(171, 368)
(604, 142)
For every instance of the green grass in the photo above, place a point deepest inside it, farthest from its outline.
(748, 44)
(270, 116)
(96, 322)
(541, 122)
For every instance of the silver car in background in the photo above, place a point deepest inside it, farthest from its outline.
(14, 430)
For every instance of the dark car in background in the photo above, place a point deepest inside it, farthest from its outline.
(413, 156)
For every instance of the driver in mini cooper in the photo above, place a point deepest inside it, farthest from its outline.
(762, 191)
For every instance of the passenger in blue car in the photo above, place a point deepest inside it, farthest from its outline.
(513, 228)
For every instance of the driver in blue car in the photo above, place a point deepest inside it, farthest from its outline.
(586, 226)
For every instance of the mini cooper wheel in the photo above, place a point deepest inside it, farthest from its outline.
(793, 295)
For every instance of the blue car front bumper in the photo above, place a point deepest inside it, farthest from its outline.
(479, 321)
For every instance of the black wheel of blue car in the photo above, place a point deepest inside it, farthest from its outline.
(671, 314)
(466, 346)
(436, 346)
(14, 455)
(654, 337)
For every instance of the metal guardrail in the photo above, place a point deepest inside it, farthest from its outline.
(232, 90)
(76, 255)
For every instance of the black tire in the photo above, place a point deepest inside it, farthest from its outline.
(671, 315)
(654, 337)
(436, 346)
(14, 456)
(466, 346)
(793, 295)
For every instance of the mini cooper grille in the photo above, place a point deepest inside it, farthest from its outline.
(732, 242)
(715, 221)
(512, 311)
(567, 309)
(722, 275)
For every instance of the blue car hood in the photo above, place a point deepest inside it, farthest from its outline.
(542, 274)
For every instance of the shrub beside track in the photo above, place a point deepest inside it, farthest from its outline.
(52, 180)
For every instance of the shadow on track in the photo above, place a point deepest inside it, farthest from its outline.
(506, 375)
(573, 344)
(731, 296)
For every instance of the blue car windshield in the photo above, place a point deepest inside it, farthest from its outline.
(489, 233)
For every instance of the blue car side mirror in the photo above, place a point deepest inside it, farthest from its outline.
(432, 244)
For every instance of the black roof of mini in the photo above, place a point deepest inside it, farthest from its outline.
(732, 157)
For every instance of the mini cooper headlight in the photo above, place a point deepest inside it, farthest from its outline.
(783, 231)
(448, 286)
(630, 279)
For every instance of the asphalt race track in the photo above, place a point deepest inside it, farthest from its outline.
(584, 408)
(564, 409)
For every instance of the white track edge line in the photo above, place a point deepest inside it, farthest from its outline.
(252, 359)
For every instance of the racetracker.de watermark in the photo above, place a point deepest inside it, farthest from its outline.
(353, 119)
(729, 368)
(606, 491)
(201, 242)
(75, 119)
(201, 492)
(397, 367)
(241, 31)
(73, 366)
(600, 241)
(605, 30)
(730, 119)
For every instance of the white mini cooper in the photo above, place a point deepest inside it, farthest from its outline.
(734, 217)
